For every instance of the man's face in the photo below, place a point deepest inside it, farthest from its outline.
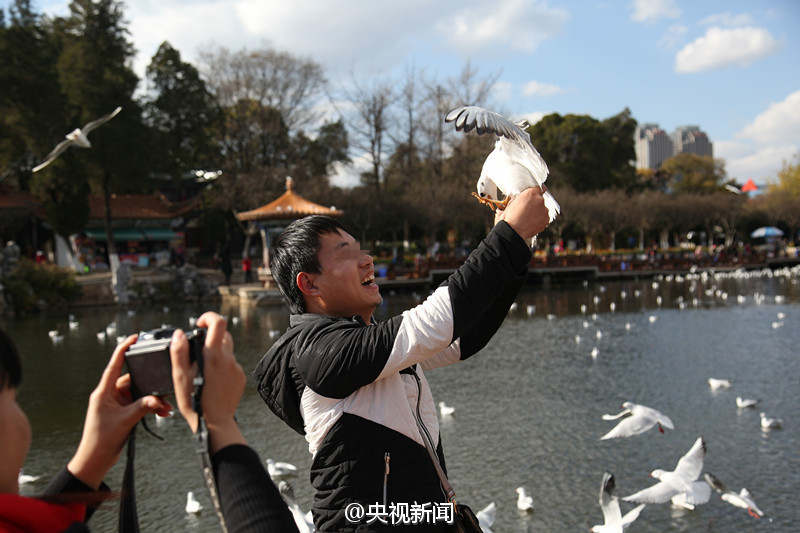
(347, 278)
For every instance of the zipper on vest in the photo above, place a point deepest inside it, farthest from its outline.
(418, 415)
(386, 458)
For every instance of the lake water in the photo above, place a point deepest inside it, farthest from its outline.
(527, 409)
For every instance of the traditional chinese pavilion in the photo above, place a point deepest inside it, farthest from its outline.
(273, 217)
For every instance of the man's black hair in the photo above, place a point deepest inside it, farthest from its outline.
(297, 250)
(10, 366)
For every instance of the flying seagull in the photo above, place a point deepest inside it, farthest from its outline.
(614, 522)
(513, 166)
(743, 499)
(78, 137)
(681, 485)
(642, 418)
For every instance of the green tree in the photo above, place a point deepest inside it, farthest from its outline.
(184, 115)
(788, 179)
(30, 103)
(587, 154)
(691, 173)
(95, 78)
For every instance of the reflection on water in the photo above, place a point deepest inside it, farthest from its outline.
(528, 408)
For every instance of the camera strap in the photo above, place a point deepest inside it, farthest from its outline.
(201, 442)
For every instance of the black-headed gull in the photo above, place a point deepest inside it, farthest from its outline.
(446, 410)
(23, 478)
(719, 383)
(744, 403)
(513, 166)
(300, 518)
(486, 517)
(679, 485)
(192, 505)
(280, 468)
(769, 422)
(614, 522)
(524, 502)
(642, 418)
(78, 137)
(743, 499)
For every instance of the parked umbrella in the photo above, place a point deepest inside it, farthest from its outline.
(767, 231)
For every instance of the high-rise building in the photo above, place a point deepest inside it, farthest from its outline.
(690, 140)
(653, 145)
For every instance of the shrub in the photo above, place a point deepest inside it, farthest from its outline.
(29, 284)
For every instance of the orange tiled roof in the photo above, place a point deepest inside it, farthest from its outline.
(18, 200)
(139, 206)
(288, 206)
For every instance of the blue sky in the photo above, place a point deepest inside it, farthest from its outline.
(731, 67)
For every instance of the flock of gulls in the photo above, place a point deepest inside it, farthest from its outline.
(684, 486)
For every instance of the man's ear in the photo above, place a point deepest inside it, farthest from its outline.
(305, 282)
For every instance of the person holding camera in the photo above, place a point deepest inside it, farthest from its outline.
(249, 499)
(75, 492)
(355, 386)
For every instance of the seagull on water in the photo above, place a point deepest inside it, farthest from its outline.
(513, 166)
(717, 383)
(304, 525)
(642, 418)
(77, 137)
(770, 423)
(681, 485)
(524, 502)
(744, 403)
(192, 505)
(743, 499)
(614, 522)
(486, 517)
(445, 409)
(23, 478)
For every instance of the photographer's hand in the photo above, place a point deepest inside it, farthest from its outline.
(110, 417)
(224, 382)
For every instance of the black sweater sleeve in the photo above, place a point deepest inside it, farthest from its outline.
(64, 483)
(250, 500)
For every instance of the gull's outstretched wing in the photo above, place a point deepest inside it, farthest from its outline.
(482, 120)
(60, 147)
(100, 121)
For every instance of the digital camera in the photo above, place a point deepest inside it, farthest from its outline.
(149, 363)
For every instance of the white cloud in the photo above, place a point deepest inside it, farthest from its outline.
(724, 47)
(534, 116)
(673, 36)
(728, 19)
(779, 123)
(518, 25)
(537, 88)
(502, 90)
(652, 10)
(762, 164)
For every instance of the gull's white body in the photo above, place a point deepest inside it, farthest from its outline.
(717, 383)
(78, 137)
(514, 165)
(445, 409)
(192, 505)
(744, 403)
(642, 418)
(743, 499)
(614, 522)
(304, 525)
(681, 483)
(280, 468)
(486, 517)
(769, 422)
(524, 502)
